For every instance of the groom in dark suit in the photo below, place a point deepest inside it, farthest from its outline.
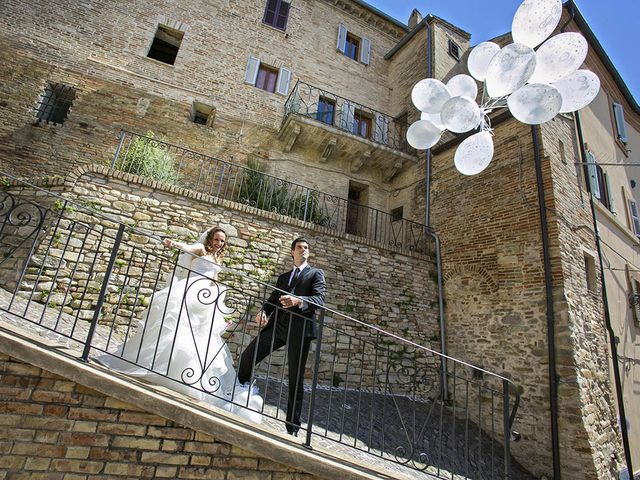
(288, 319)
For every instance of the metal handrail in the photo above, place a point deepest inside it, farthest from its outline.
(150, 157)
(69, 251)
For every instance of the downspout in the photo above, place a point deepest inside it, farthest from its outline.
(607, 316)
(434, 235)
(548, 284)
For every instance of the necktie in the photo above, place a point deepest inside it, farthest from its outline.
(296, 272)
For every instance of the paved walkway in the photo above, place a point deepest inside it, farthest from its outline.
(388, 433)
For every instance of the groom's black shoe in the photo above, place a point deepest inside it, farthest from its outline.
(292, 429)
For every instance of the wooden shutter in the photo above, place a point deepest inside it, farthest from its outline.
(282, 15)
(347, 114)
(381, 131)
(634, 217)
(621, 127)
(284, 78)
(607, 185)
(342, 38)
(365, 51)
(593, 175)
(251, 74)
(634, 295)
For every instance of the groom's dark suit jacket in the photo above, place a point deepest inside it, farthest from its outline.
(310, 288)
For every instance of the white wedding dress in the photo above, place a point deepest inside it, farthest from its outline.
(179, 343)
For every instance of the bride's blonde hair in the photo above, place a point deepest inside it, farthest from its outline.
(208, 244)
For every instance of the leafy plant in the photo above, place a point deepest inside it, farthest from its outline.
(273, 195)
(149, 157)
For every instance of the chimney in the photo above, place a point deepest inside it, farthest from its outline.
(414, 19)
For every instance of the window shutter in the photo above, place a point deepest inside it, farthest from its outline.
(342, 38)
(635, 218)
(612, 205)
(634, 297)
(365, 51)
(284, 78)
(381, 132)
(347, 113)
(593, 175)
(251, 73)
(282, 15)
(621, 127)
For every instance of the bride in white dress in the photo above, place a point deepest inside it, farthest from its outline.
(179, 344)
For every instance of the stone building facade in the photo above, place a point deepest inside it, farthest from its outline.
(205, 98)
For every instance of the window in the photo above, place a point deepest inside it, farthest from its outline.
(202, 114)
(396, 214)
(354, 47)
(454, 49)
(599, 182)
(276, 14)
(634, 293)
(55, 103)
(326, 110)
(165, 45)
(362, 124)
(634, 217)
(621, 127)
(590, 272)
(266, 77)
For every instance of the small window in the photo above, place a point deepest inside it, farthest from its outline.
(362, 124)
(621, 126)
(55, 103)
(396, 214)
(267, 78)
(454, 49)
(165, 45)
(590, 272)
(635, 218)
(276, 14)
(352, 47)
(202, 114)
(326, 110)
(599, 183)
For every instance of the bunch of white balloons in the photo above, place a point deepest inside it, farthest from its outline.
(534, 85)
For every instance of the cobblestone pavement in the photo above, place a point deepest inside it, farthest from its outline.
(392, 434)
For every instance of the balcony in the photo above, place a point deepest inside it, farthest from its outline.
(339, 129)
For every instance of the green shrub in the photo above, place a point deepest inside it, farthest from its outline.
(148, 157)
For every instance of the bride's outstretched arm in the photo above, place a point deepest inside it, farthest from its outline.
(195, 248)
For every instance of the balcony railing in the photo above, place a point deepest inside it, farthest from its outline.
(346, 115)
(73, 274)
(152, 158)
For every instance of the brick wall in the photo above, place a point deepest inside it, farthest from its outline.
(495, 298)
(53, 428)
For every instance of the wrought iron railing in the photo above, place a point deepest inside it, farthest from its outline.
(346, 115)
(149, 157)
(74, 273)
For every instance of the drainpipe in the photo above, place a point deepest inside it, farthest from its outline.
(432, 234)
(607, 316)
(548, 284)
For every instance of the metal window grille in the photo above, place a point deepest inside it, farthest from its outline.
(55, 103)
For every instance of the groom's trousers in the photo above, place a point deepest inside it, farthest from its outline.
(271, 338)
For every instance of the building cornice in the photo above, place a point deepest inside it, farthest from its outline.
(372, 16)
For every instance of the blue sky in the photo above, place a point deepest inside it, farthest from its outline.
(612, 21)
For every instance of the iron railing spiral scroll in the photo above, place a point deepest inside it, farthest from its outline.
(367, 389)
